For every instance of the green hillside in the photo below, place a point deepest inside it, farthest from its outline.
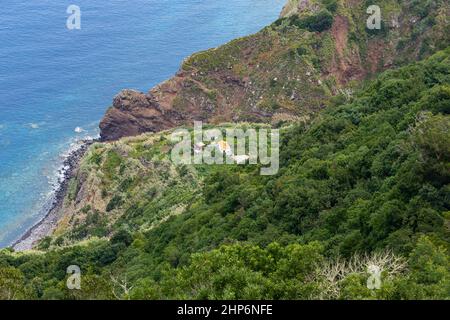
(365, 183)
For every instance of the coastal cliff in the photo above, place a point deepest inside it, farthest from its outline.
(284, 74)
(287, 71)
(363, 179)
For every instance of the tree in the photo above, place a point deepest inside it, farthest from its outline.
(12, 285)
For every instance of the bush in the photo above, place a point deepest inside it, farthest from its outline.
(315, 23)
(331, 5)
(115, 202)
(122, 236)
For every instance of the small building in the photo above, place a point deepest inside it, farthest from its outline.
(224, 147)
(241, 159)
(198, 147)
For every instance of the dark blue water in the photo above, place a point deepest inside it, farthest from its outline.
(53, 80)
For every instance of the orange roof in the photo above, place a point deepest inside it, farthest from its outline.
(223, 146)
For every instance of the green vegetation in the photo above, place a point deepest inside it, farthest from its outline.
(319, 22)
(290, 69)
(365, 183)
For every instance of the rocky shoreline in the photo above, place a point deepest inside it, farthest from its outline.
(47, 224)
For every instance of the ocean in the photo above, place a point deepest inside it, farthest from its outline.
(56, 83)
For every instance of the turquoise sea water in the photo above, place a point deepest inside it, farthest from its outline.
(53, 80)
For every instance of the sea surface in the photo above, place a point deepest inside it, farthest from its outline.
(56, 83)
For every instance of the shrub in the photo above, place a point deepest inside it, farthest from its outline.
(331, 5)
(315, 23)
(122, 236)
(115, 202)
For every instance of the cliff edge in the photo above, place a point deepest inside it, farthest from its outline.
(288, 70)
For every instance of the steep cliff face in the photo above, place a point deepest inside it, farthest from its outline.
(134, 113)
(286, 71)
(410, 30)
(113, 178)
